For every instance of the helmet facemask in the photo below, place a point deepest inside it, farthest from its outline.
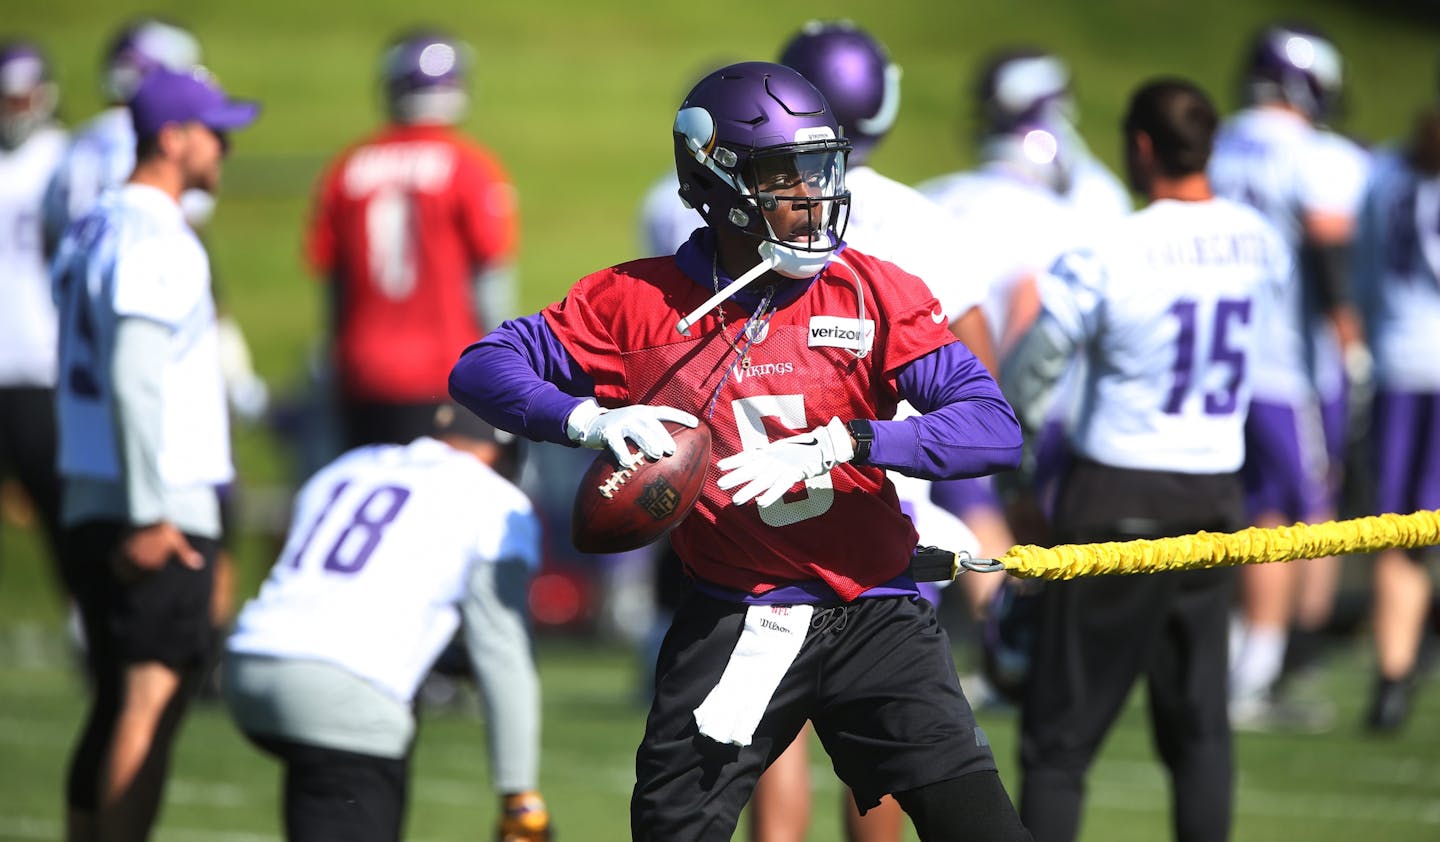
(790, 196)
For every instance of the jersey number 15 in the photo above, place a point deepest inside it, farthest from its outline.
(1229, 314)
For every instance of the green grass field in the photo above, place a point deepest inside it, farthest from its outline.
(577, 98)
(1338, 787)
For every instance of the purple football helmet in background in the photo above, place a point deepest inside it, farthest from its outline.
(425, 73)
(1026, 116)
(1297, 65)
(854, 72)
(144, 46)
(767, 115)
(27, 94)
(1023, 87)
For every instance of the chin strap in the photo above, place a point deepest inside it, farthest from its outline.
(766, 263)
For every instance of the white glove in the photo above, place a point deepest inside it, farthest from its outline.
(766, 473)
(592, 426)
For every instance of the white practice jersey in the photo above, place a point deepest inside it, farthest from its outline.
(1279, 164)
(1008, 230)
(27, 311)
(1167, 309)
(134, 256)
(1347, 165)
(895, 222)
(1398, 275)
(665, 222)
(385, 532)
(100, 158)
(1096, 192)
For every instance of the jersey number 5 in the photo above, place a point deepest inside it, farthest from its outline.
(789, 410)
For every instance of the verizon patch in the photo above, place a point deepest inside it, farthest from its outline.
(837, 332)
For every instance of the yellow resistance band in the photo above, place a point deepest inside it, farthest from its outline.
(1213, 549)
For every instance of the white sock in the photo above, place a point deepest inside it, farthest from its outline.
(1257, 664)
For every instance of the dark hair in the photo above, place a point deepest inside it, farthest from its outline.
(146, 148)
(1180, 121)
(1425, 143)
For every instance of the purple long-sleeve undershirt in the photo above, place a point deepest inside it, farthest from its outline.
(520, 378)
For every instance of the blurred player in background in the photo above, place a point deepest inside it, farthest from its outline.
(31, 145)
(392, 548)
(798, 376)
(100, 158)
(144, 441)
(1398, 285)
(1036, 192)
(1165, 309)
(102, 153)
(414, 230)
(1271, 156)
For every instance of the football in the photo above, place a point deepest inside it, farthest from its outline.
(619, 509)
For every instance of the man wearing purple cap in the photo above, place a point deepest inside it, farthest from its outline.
(144, 441)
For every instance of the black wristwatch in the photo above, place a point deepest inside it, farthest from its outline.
(864, 434)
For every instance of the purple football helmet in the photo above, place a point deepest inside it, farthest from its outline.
(142, 47)
(1023, 87)
(1297, 65)
(855, 74)
(743, 130)
(425, 73)
(27, 94)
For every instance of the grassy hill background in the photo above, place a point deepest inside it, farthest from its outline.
(577, 99)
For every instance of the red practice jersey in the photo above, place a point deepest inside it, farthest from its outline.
(403, 221)
(844, 528)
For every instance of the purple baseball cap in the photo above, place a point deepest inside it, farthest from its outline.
(166, 96)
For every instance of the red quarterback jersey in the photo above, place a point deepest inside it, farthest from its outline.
(403, 221)
(820, 356)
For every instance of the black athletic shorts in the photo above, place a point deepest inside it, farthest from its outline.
(876, 677)
(340, 796)
(162, 616)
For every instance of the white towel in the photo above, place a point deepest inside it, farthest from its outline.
(768, 644)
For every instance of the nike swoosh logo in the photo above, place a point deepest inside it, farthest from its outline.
(937, 317)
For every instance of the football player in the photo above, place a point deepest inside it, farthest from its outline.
(1164, 309)
(796, 353)
(102, 154)
(892, 221)
(388, 554)
(1036, 192)
(144, 441)
(414, 232)
(1272, 156)
(1398, 286)
(31, 145)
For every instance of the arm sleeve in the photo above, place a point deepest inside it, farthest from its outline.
(1033, 369)
(487, 210)
(494, 295)
(497, 639)
(520, 378)
(966, 428)
(320, 239)
(1073, 292)
(141, 346)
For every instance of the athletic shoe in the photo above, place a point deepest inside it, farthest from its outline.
(528, 821)
(1389, 705)
(1270, 713)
